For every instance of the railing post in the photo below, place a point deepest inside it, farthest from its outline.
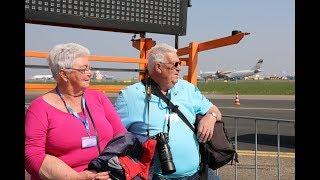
(256, 148)
(278, 146)
(143, 45)
(236, 146)
(193, 63)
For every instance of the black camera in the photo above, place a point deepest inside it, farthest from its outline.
(165, 156)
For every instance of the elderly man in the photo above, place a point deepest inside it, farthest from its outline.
(147, 114)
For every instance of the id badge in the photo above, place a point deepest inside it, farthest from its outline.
(173, 117)
(89, 141)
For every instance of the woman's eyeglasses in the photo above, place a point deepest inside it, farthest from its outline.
(174, 64)
(82, 70)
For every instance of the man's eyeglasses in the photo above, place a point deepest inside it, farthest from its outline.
(174, 64)
(82, 70)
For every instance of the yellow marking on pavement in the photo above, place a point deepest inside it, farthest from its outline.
(266, 153)
(273, 109)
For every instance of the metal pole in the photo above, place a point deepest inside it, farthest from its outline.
(176, 41)
(278, 146)
(236, 144)
(256, 149)
(143, 35)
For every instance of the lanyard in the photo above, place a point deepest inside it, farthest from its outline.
(84, 121)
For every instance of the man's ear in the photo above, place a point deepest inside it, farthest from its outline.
(157, 68)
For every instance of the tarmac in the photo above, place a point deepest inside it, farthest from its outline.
(267, 168)
(209, 95)
(221, 96)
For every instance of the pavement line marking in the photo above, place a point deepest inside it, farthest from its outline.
(277, 109)
(266, 153)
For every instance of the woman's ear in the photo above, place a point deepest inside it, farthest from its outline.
(63, 75)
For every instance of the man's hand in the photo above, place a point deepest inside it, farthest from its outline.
(206, 128)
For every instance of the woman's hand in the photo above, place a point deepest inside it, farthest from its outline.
(102, 175)
(93, 175)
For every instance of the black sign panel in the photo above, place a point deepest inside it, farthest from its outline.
(130, 16)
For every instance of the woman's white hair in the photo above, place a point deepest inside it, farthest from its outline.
(157, 54)
(62, 56)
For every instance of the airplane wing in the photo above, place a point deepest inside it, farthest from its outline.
(223, 74)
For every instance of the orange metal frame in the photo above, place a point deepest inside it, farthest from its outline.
(144, 45)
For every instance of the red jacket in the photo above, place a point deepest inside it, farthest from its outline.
(127, 156)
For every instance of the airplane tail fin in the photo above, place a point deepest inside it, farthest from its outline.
(258, 65)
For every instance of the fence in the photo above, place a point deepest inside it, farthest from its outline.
(234, 128)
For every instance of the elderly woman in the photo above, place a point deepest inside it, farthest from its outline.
(68, 126)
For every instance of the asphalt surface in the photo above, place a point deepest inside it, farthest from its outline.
(259, 106)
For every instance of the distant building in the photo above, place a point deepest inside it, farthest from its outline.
(291, 77)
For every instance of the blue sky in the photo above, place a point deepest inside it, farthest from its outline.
(270, 22)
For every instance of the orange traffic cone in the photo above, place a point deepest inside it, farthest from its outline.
(237, 101)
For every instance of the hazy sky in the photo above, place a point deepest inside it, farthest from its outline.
(270, 22)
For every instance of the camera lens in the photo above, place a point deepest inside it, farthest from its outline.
(165, 156)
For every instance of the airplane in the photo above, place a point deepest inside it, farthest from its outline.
(107, 77)
(212, 74)
(207, 75)
(232, 75)
(42, 77)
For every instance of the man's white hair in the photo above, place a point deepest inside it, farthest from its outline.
(157, 54)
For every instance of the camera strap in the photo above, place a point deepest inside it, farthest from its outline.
(148, 95)
(175, 108)
(153, 88)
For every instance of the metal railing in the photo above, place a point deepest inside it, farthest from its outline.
(256, 119)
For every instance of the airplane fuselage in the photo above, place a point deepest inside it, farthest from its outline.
(240, 74)
(233, 74)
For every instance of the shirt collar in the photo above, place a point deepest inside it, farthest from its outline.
(174, 90)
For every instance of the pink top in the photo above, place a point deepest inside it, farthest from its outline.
(50, 131)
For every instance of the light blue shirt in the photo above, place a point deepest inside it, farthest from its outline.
(132, 107)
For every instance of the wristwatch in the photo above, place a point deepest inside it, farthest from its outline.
(214, 114)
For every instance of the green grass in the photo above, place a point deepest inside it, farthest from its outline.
(248, 87)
